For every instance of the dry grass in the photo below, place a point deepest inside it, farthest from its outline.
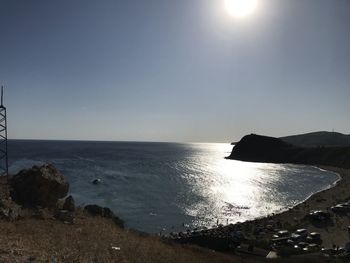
(91, 239)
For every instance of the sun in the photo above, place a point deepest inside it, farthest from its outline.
(240, 8)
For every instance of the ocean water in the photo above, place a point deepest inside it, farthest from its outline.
(157, 187)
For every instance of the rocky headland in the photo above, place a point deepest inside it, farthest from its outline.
(258, 148)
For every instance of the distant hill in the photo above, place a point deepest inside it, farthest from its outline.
(315, 139)
(257, 148)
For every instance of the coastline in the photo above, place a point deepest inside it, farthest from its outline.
(335, 234)
(287, 209)
(257, 231)
(328, 187)
(323, 200)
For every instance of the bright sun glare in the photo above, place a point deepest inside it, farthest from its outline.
(240, 8)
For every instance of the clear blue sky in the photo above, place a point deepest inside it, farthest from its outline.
(165, 70)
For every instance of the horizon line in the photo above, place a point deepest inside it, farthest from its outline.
(126, 141)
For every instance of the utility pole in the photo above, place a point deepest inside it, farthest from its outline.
(3, 138)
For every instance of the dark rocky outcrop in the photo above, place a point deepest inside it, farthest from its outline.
(69, 204)
(257, 148)
(94, 210)
(39, 186)
(65, 211)
(97, 210)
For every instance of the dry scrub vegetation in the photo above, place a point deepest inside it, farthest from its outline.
(90, 239)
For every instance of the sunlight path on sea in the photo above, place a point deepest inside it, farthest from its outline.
(235, 191)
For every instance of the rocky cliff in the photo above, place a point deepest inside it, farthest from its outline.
(257, 148)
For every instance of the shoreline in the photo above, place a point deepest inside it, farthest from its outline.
(258, 231)
(287, 209)
(328, 187)
(336, 234)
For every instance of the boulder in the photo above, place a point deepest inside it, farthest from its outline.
(39, 186)
(96, 181)
(69, 204)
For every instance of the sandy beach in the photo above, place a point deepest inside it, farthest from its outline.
(336, 234)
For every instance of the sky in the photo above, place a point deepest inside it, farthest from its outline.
(177, 71)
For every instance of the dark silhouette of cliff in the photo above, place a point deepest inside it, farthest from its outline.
(257, 148)
(322, 138)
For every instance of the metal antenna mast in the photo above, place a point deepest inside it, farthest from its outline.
(3, 138)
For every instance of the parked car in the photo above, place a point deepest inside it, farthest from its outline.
(340, 208)
(301, 232)
(319, 215)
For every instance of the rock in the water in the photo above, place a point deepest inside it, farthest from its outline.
(41, 186)
(69, 204)
(96, 181)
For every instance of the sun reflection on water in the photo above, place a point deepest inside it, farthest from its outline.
(230, 191)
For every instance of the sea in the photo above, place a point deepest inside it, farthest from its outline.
(166, 187)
